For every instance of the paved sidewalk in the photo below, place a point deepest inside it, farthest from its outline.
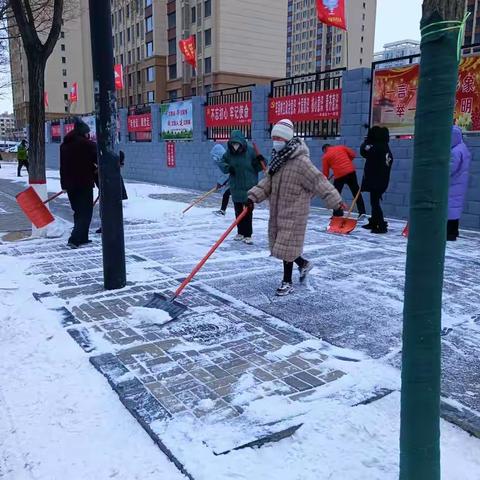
(239, 351)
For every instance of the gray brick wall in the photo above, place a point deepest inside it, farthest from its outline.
(194, 169)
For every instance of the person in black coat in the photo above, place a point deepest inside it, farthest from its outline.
(78, 158)
(376, 177)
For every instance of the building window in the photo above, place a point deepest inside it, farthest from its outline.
(139, 53)
(208, 65)
(149, 24)
(208, 8)
(139, 77)
(128, 11)
(148, 3)
(172, 71)
(172, 46)
(129, 58)
(65, 85)
(62, 47)
(172, 95)
(208, 37)
(208, 88)
(129, 35)
(65, 96)
(64, 60)
(149, 50)
(64, 72)
(150, 74)
(172, 20)
(139, 99)
(150, 96)
(194, 14)
(138, 30)
(62, 34)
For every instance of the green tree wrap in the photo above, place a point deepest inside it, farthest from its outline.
(421, 362)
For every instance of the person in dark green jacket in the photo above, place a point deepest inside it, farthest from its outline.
(243, 165)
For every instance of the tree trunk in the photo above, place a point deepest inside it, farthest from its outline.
(421, 363)
(36, 89)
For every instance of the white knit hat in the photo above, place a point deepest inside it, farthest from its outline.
(283, 129)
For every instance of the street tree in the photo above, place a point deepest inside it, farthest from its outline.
(38, 23)
(442, 33)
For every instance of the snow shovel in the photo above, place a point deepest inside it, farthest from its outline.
(344, 225)
(34, 208)
(201, 199)
(406, 231)
(171, 306)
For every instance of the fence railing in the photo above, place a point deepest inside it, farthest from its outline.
(309, 84)
(229, 109)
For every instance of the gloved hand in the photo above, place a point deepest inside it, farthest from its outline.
(231, 171)
(250, 205)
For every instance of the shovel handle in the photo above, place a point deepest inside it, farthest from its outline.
(211, 252)
(257, 151)
(201, 199)
(357, 196)
(53, 197)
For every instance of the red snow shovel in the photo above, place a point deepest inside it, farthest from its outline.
(344, 225)
(406, 231)
(171, 306)
(34, 208)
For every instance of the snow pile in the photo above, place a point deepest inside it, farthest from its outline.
(142, 315)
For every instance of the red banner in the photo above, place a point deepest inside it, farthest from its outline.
(188, 48)
(171, 154)
(332, 12)
(56, 131)
(118, 70)
(140, 123)
(74, 93)
(229, 114)
(68, 127)
(306, 107)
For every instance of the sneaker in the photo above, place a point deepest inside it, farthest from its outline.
(284, 289)
(361, 216)
(305, 270)
(382, 228)
(239, 238)
(369, 225)
(72, 245)
(248, 240)
(220, 213)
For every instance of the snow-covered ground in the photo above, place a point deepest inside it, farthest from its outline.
(59, 419)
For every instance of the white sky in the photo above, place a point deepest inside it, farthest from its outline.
(396, 20)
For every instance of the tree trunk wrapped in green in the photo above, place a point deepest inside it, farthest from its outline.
(442, 27)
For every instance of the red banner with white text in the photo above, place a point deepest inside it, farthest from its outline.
(140, 123)
(229, 114)
(306, 107)
(332, 12)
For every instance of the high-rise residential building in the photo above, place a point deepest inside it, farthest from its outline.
(394, 50)
(472, 31)
(238, 43)
(140, 46)
(69, 64)
(314, 47)
(7, 124)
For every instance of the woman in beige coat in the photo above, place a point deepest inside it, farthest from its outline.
(290, 184)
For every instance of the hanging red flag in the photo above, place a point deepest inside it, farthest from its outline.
(45, 99)
(188, 48)
(332, 12)
(119, 77)
(74, 93)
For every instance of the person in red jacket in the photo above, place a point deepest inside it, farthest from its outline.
(340, 158)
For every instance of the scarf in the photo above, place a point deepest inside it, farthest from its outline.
(280, 158)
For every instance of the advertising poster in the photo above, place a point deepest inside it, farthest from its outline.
(177, 120)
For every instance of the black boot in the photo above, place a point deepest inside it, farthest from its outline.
(380, 228)
(369, 225)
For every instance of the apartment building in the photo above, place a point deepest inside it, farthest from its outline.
(140, 46)
(238, 43)
(313, 46)
(69, 64)
(7, 125)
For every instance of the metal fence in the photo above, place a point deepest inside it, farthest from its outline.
(225, 98)
(311, 83)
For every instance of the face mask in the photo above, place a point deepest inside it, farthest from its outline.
(236, 146)
(278, 145)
